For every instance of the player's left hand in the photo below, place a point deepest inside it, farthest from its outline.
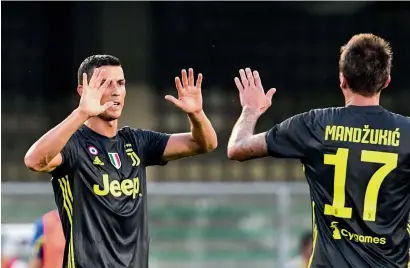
(189, 94)
(251, 92)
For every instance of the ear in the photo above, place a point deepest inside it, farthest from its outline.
(80, 90)
(344, 86)
(343, 82)
(387, 82)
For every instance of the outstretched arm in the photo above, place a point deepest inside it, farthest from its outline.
(202, 138)
(243, 144)
(289, 139)
(44, 155)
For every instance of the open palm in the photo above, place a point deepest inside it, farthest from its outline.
(251, 92)
(189, 94)
(90, 102)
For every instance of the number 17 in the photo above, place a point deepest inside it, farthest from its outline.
(339, 160)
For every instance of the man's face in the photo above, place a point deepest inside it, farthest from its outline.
(114, 92)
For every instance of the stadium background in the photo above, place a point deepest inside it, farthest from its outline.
(205, 211)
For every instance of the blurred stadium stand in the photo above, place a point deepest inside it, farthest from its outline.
(295, 47)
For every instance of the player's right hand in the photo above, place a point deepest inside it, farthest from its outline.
(92, 92)
(251, 92)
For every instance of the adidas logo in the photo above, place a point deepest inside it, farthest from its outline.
(98, 162)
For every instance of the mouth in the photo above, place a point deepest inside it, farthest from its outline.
(116, 104)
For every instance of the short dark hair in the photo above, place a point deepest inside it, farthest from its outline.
(95, 61)
(366, 62)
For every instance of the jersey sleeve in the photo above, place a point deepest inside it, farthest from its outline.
(69, 156)
(36, 242)
(289, 139)
(154, 144)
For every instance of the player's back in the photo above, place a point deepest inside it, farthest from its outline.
(358, 169)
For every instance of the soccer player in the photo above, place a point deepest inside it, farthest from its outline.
(48, 242)
(356, 160)
(99, 171)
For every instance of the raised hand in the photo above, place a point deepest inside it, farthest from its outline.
(90, 102)
(251, 92)
(189, 94)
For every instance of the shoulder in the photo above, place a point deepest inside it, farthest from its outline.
(126, 129)
(83, 131)
(401, 119)
(129, 132)
(79, 136)
(315, 114)
(306, 118)
(320, 117)
(396, 122)
(139, 133)
(139, 137)
(325, 112)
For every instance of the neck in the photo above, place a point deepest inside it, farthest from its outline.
(105, 128)
(359, 100)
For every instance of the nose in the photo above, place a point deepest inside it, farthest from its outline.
(116, 91)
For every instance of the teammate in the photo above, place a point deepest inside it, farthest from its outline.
(48, 242)
(98, 172)
(356, 160)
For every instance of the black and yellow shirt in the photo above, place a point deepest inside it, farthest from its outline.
(357, 163)
(101, 194)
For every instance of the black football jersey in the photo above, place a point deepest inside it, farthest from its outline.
(101, 193)
(357, 163)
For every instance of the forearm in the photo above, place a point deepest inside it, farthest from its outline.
(50, 144)
(243, 144)
(203, 132)
(244, 127)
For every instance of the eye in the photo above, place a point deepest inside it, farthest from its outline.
(103, 81)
